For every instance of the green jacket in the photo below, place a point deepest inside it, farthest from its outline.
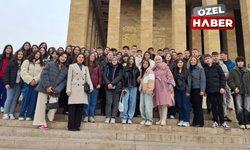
(234, 79)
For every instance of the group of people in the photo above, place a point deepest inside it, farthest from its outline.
(74, 78)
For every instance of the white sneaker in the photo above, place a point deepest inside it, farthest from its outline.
(180, 123)
(185, 124)
(225, 126)
(6, 117)
(20, 118)
(129, 122)
(12, 117)
(248, 126)
(143, 122)
(107, 120)
(112, 120)
(85, 119)
(171, 117)
(215, 125)
(163, 122)
(148, 123)
(2, 109)
(91, 119)
(242, 127)
(124, 121)
(158, 122)
(28, 119)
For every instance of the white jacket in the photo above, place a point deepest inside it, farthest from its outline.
(30, 71)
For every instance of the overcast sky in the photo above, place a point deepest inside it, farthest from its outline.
(34, 21)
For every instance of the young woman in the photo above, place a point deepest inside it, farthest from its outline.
(26, 48)
(34, 48)
(60, 50)
(44, 45)
(76, 51)
(198, 87)
(164, 83)
(78, 74)
(86, 53)
(147, 85)
(96, 78)
(147, 56)
(169, 60)
(49, 52)
(112, 78)
(13, 84)
(119, 55)
(124, 60)
(68, 51)
(53, 81)
(182, 92)
(4, 59)
(130, 84)
(44, 54)
(30, 73)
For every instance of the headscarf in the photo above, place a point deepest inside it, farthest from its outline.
(158, 57)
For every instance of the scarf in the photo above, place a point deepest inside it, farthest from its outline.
(192, 67)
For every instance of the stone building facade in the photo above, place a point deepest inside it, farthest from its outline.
(158, 24)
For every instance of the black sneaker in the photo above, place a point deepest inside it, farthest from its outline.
(227, 119)
(229, 108)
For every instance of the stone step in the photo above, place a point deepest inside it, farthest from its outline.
(96, 144)
(132, 127)
(119, 135)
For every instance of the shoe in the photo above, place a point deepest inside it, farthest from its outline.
(158, 123)
(148, 123)
(12, 117)
(227, 119)
(143, 122)
(85, 119)
(180, 123)
(72, 129)
(242, 126)
(163, 122)
(6, 117)
(43, 127)
(215, 125)
(66, 112)
(20, 118)
(54, 120)
(2, 109)
(28, 119)
(124, 121)
(129, 122)
(197, 126)
(248, 126)
(229, 108)
(112, 120)
(225, 126)
(77, 129)
(185, 124)
(171, 117)
(107, 120)
(91, 119)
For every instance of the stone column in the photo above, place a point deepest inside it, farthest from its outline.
(93, 33)
(231, 40)
(114, 23)
(211, 37)
(90, 26)
(245, 17)
(147, 7)
(179, 25)
(78, 22)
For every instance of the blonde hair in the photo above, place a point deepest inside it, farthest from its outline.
(198, 62)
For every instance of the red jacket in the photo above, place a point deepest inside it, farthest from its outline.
(96, 76)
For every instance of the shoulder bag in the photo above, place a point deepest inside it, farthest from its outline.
(86, 85)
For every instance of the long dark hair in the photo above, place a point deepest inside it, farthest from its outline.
(26, 52)
(13, 62)
(133, 66)
(45, 45)
(124, 55)
(84, 61)
(170, 64)
(95, 62)
(66, 50)
(58, 59)
(4, 52)
(34, 45)
(45, 56)
(32, 57)
(184, 71)
(73, 55)
(143, 70)
(145, 54)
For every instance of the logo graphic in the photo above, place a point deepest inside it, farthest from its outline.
(212, 17)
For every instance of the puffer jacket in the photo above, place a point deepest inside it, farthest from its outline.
(198, 79)
(30, 71)
(129, 78)
(147, 84)
(10, 75)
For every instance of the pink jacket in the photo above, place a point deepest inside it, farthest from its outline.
(147, 82)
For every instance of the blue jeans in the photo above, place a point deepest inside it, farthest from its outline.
(12, 98)
(146, 106)
(3, 93)
(129, 103)
(183, 105)
(29, 99)
(89, 110)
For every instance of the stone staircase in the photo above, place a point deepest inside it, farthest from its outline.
(16, 134)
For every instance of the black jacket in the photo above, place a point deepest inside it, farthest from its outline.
(215, 78)
(10, 75)
(102, 58)
(129, 78)
(117, 82)
(181, 84)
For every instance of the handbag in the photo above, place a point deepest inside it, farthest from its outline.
(54, 105)
(86, 85)
(121, 106)
(172, 100)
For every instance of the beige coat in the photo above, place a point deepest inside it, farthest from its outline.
(30, 71)
(75, 84)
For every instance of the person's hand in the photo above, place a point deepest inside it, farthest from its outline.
(222, 91)
(187, 94)
(123, 91)
(110, 86)
(139, 79)
(7, 86)
(33, 83)
(49, 89)
(202, 93)
(90, 91)
(98, 86)
(171, 90)
(237, 90)
(68, 93)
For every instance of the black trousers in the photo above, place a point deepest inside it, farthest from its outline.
(102, 96)
(242, 109)
(196, 101)
(75, 116)
(216, 101)
(63, 100)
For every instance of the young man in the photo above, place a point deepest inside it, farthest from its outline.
(179, 55)
(138, 58)
(215, 57)
(99, 51)
(230, 65)
(172, 50)
(139, 52)
(134, 50)
(195, 52)
(103, 57)
(160, 53)
(238, 81)
(151, 51)
(114, 50)
(165, 51)
(215, 88)
(174, 55)
(186, 56)
(125, 50)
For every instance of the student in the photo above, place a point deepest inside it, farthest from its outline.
(82, 49)
(198, 87)
(138, 58)
(34, 48)
(13, 83)
(103, 56)
(160, 53)
(130, 84)
(96, 78)
(53, 81)
(195, 52)
(68, 51)
(49, 52)
(26, 48)
(139, 52)
(186, 56)
(44, 45)
(76, 51)
(86, 53)
(147, 56)
(179, 55)
(4, 59)
(182, 92)
(151, 51)
(124, 60)
(248, 67)
(60, 50)
(125, 50)
(147, 85)
(164, 83)
(165, 51)
(169, 61)
(133, 49)
(114, 50)
(30, 73)
(55, 55)
(215, 88)
(44, 54)
(113, 86)
(78, 74)
(238, 81)
(174, 55)
(107, 60)
(99, 51)
(119, 55)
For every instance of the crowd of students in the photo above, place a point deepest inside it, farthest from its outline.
(75, 77)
